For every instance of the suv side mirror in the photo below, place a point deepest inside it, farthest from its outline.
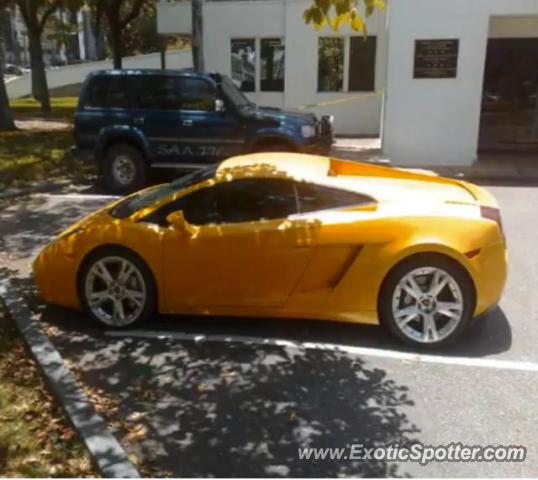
(219, 105)
(178, 222)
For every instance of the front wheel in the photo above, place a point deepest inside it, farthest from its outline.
(117, 289)
(124, 169)
(427, 301)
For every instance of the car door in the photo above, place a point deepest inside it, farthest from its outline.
(156, 114)
(209, 130)
(244, 248)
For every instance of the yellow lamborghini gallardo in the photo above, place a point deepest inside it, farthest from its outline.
(292, 236)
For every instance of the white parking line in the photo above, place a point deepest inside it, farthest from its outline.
(359, 351)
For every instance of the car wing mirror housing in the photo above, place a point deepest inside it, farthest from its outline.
(177, 221)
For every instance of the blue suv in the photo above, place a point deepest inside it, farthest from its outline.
(129, 121)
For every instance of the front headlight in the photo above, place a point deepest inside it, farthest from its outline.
(308, 131)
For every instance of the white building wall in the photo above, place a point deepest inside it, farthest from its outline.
(436, 121)
(284, 18)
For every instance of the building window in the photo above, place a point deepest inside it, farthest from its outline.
(362, 53)
(330, 64)
(244, 63)
(272, 65)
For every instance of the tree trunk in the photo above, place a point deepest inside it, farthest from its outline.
(40, 89)
(198, 35)
(116, 46)
(6, 119)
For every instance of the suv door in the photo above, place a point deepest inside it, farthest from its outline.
(243, 250)
(156, 115)
(207, 135)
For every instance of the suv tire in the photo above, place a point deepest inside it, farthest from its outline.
(124, 169)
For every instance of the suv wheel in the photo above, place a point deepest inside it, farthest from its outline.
(124, 169)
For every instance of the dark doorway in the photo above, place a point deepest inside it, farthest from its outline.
(509, 120)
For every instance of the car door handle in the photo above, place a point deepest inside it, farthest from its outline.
(138, 120)
(186, 123)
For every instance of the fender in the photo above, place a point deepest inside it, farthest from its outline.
(120, 133)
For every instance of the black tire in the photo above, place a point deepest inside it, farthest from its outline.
(149, 305)
(446, 264)
(136, 169)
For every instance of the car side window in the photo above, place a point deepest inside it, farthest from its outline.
(313, 198)
(198, 207)
(108, 92)
(255, 199)
(197, 94)
(156, 92)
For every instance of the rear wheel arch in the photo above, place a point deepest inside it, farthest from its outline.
(425, 256)
(392, 284)
(115, 140)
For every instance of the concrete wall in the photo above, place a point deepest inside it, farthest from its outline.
(436, 121)
(284, 18)
(58, 77)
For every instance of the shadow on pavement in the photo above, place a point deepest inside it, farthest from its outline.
(227, 409)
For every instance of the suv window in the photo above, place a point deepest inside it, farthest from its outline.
(108, 92)
(156, 92)
(197, 94)
(313, 198)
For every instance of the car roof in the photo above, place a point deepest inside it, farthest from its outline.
(298, 166)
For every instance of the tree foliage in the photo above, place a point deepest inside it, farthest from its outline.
(119, 14)
(337, 13)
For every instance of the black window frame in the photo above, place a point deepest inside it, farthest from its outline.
(341, 41)
(272, 84)
(362, 82)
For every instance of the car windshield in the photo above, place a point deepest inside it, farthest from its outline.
(143, 200)
(236, 96)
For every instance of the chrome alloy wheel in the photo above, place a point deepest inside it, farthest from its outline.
(123, 170)
(427, 305)
(115, 291)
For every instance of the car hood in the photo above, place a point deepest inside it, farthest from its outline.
(284, 116)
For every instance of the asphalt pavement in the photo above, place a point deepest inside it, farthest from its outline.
(238, 397)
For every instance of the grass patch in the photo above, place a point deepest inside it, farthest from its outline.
(29, 156)
(35, 439)
(62, 107)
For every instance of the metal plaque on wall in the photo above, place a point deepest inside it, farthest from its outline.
(436, 58)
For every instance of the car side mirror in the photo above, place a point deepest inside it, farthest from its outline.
(219, 106)
(178, 222)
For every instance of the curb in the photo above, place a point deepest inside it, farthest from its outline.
(107, 454)
(47, 187)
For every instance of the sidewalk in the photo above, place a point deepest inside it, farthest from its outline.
(518, 168)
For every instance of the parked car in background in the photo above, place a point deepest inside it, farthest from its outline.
(129, 121)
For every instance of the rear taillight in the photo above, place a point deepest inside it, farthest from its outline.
(493, 214)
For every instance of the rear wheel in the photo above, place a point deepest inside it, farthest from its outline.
(427, 301)
(117, 288)
(124, 169)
